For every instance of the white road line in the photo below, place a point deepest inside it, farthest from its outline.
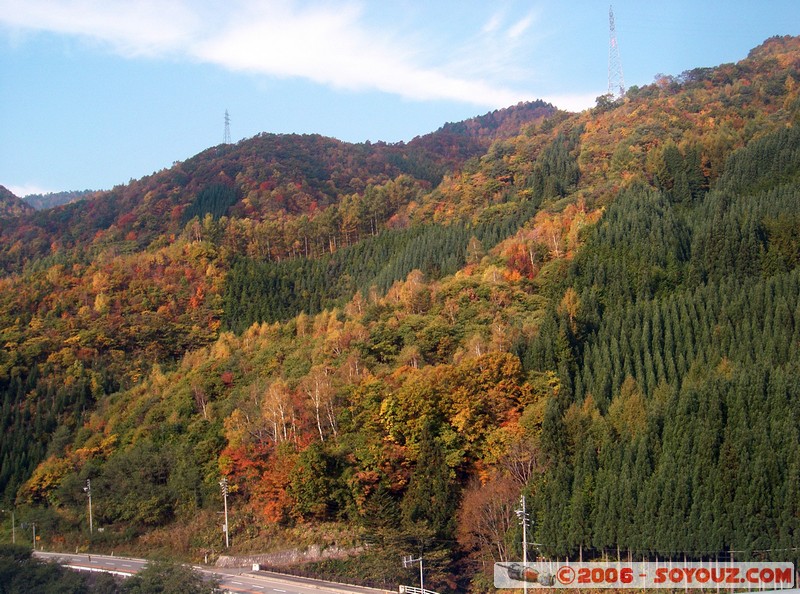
(276, 589)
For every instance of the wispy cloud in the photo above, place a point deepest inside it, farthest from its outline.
(142, 28)
(330, 43)
(333, 45)
(500, 51)
(493, 24)
(517, 29)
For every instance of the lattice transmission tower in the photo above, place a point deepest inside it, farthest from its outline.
(616, 82)
(226, 138)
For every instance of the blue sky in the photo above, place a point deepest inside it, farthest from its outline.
(98, 92)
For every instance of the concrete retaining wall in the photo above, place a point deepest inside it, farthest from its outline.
(289, 557)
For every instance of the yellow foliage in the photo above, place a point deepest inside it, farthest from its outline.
(235, 426)
(101, 303)
(100, 282)
(627, 412)
(570, 305)
(45, 479)
(97, 447)
(225, 345)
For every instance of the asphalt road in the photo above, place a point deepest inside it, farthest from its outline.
(233, 580)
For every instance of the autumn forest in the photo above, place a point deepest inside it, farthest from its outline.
(381, 347)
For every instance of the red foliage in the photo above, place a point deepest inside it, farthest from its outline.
(518, 260)
(270, 494)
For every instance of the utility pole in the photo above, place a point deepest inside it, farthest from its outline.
(408, 561)
(224, 485)
(34, 535)
(88, 489)
(522, 514)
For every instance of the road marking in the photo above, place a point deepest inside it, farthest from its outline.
(237, 583)
(126, 565)
(276, 589)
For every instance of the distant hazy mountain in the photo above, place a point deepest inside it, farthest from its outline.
(43, 201)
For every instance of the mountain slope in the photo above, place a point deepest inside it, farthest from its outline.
(10, 205)
(113, 284)
(275, 177)
(601, 311)
(52, 199)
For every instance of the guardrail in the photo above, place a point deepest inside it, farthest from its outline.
(413, 590)
(101, 570)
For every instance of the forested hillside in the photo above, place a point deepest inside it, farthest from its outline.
(284, 187)
(52, 199)
(11, 205)
(380, 347)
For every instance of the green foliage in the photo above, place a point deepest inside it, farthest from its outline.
(430, 502)
(555, 172)
(214, 200)
(682, 357)
(680, 176)
(271, 291)
(316, 485)
(20, 573)
(767, 163)
(635, 251)
(136, 486)
(160, 577)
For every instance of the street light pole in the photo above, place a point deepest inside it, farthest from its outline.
(88, 489)
(224, 485)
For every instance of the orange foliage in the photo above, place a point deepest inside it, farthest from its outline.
(260, 477)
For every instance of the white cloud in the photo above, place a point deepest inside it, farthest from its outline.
(330, 43)
(330, 46)
(144, 27)
(517, 29)
(493, 24)
(574, 102)
(27, 190)
(503, 51)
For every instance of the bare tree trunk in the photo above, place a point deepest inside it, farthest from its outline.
(332, 419)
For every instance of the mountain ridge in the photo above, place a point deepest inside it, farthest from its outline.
(53, 199)
(11, 205)
(279, 172)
